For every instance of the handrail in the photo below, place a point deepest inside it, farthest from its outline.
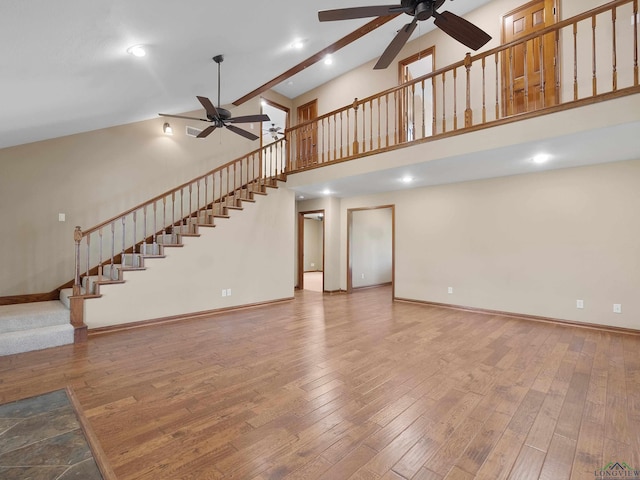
(429, 106)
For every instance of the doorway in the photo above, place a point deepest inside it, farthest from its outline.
(371, 247)
(311, 250)
(529, 71)
(416, 106)
(274, 160)
(307, 141)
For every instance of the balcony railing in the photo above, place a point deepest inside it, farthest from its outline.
(592, 56)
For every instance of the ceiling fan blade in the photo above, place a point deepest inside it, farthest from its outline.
(186, 118)
(249, 119)
(242, 132)
(206, 131)
(359, 12)
(462, 30)
(208, 106)
(396, 45)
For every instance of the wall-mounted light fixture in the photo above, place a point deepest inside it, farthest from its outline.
(166, 128)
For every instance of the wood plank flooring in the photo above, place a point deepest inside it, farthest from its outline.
(350, 387)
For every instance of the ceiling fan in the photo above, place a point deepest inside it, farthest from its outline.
(457, 27)
(274, 132)
(220, 117)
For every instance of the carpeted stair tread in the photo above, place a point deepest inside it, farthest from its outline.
(36, 338)
(26, 316)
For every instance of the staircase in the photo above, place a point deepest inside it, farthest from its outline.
(40, 325)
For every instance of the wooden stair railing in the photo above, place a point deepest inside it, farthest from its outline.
(600, 44)
(121, 243)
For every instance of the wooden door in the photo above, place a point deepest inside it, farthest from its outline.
(529, 76)
(307, 141)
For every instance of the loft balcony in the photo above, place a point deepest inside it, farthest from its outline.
(555, 78)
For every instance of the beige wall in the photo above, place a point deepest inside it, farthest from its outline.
(191, 279)
(530, 244)
(91, 177)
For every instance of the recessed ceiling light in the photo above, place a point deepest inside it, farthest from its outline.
(328, 60)
(407, 179)
(301, 197)
(297, 44)
(326, 191)
(541, 158)
(136, 50)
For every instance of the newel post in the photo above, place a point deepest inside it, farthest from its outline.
(77, 300)
(77, 238)
(468, 113)
(356, 147)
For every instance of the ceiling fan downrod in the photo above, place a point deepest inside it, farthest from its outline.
(218, 59)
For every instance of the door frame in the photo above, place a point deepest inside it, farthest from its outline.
(350, 212)
(287, 112)
(403, 98)
(301, 216)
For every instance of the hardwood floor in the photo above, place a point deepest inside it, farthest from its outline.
(350, 387)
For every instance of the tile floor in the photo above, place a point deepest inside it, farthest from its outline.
(41, 439)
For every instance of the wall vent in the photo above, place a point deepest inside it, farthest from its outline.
(193, 131)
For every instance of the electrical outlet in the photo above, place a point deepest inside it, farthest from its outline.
(62, 217)
(362, 276)
(224, 292)
(313, 264)
(579, 303)
(228, 292)
(450, 290)
(617, 308)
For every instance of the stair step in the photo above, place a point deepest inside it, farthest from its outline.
(25, 316)
(150, 249)
(168, 239)
(66, 293)
(90, 283)
(36, 339)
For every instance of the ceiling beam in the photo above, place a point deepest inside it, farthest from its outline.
(343, 42)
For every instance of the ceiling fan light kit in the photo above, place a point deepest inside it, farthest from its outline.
(220, 117)
(456, 27)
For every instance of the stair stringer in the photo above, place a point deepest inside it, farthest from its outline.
(251, 253)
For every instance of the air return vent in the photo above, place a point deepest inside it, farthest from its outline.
(193, 131)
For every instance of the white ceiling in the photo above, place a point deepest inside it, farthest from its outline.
(65, 70)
